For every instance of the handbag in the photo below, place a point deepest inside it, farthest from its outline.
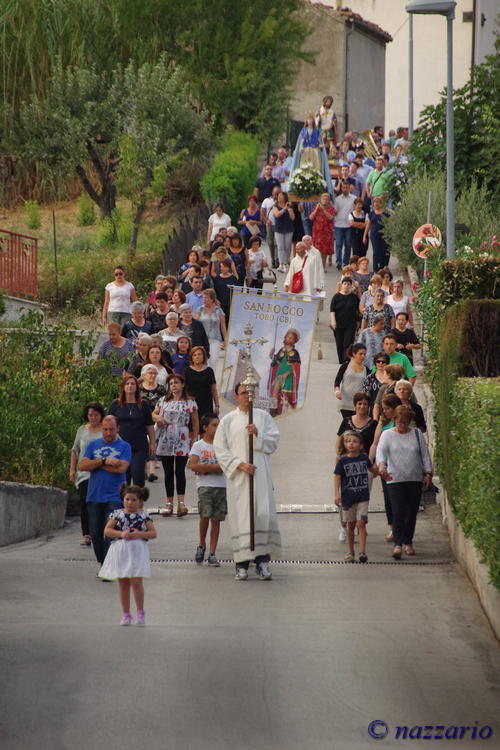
(298, 280)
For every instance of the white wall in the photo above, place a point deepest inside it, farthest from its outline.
(429, 57)
(485, 34)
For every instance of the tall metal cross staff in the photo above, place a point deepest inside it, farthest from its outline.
(250, 384)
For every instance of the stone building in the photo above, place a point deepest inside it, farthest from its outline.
(349, 65)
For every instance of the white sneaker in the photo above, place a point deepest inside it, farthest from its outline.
(241, 574)
(342, 534)
(265, 572)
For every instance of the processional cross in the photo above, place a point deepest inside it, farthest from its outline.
(250, 384)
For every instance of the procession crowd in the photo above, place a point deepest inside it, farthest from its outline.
(164, 351)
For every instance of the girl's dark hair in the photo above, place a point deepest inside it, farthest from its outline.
(163, 356)
(354, 349)
(177, 344)
(205, 421)
(383, 271)
(238, 238)
(122, 398)
(96, 406)
(141, 492)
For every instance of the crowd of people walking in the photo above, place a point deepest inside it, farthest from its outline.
(164, 354)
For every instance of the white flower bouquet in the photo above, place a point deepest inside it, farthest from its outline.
(306, 182)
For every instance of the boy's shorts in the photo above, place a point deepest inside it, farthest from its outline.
(212, 503)
(357, 512)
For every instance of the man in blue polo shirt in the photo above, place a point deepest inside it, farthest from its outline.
(107, 459)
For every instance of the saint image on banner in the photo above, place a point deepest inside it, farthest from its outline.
(284, 376)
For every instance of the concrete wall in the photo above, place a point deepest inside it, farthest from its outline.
(27, 511)
(487, 22)
(326, 76)
(365, 81)
(429, 41)
(16, 307)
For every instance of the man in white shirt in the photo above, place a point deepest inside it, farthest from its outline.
(316, 262)
(301, 262)
(268, 217)
(344, 204)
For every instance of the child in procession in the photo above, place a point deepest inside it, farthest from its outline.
(129, 528)
(211, 484)
(352, 491)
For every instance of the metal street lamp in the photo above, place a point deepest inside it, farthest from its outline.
(445, 8)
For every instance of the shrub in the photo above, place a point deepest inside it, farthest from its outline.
(474, 208)
(474, 276)
(467, 412)
(44, 386)
(115, 229)
(2, 305)
(33, 220)
(468, 463)
(85, 212)
(231, 178)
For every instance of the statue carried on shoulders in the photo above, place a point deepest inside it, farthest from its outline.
(326, 120)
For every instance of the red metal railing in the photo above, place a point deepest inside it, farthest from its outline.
(18, 264)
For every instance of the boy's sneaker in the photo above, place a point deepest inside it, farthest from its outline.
(342, 534)
(126, 619)
(200, 554)
(241, 574)
(141, 617)
(265, 572)
(212, 560)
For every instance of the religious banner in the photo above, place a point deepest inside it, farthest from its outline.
(284, 326)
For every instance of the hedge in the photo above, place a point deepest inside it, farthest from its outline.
(470, 464)
(467, 418)
(231, 178)
(451, 281)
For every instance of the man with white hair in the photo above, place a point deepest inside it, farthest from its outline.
(301, 262)
(316, 262)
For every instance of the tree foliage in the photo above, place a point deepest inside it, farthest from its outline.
(477, 124)
(239, 57)
(130, 126)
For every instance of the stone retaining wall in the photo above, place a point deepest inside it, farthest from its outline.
(28, 511)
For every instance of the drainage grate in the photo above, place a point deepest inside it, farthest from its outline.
(228, 561)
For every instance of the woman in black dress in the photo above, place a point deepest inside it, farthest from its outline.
(135, 425)
(344, 316)
(200, 383)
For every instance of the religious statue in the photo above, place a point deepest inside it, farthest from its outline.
(326, 120)
(284, 377)
(310, 150)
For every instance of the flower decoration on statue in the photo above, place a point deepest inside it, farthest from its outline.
(306, 181)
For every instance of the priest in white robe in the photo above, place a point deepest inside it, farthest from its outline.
(302, 262)
(314, 255)
(231, 448)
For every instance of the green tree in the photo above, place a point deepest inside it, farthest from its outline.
(162, 132)
(477, 124)
(76, 127)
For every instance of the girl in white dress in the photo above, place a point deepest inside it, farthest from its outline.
(128, 555)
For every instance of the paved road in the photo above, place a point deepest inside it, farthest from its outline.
(305, 661)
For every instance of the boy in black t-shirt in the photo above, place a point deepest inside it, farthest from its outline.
(353, 492)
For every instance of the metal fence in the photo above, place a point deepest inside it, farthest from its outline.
(192, 225)
(18, 264)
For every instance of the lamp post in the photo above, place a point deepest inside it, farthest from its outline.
(445, 8)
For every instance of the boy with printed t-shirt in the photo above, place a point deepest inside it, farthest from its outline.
(353, 492)
(211, 484)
